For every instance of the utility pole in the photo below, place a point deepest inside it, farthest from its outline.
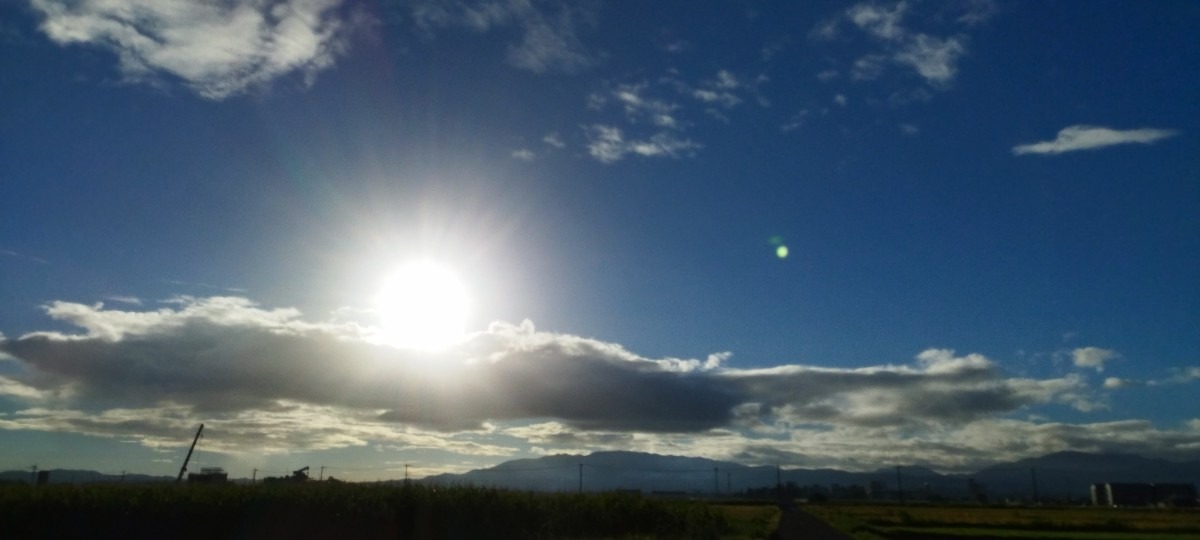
(33, 480)
(322, 476)
(406, 474)
(899, 486)
(122, 477)
(580, 478)
(254, 476)
(1033, 478)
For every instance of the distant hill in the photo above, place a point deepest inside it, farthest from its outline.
(71, 476)
(1073, 472)
(1057, 475)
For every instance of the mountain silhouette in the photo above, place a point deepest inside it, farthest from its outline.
(1061, 475)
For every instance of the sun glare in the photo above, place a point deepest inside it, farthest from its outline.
(422, 305)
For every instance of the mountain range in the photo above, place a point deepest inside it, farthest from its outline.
(1061, 475)
(1058, 476)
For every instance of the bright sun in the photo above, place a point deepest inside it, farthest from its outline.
(422, 305)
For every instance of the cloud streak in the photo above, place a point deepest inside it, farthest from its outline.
(1084, 137)
(218, 49)
(260, 373)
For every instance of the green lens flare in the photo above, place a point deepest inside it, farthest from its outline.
(781, 252)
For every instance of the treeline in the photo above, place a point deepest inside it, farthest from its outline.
(338, 510)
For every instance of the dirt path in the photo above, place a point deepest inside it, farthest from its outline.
(796, 524)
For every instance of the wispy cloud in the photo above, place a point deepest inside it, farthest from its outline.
(880, 21)
(523, 154)
(656, 125)
(795, 122)
(639, 107)
(549, 37)
(218, 49)
(1084, 137)
(208, 286)
(1177, 376)
(934, 58)
(608, 144)
(868, 68)
(553, 139)
(22, 256)
(973, 12)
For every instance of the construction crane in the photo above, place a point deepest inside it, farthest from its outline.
(183, 469)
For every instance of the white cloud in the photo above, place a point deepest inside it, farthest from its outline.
(663, 144)
(825, 30)
(909, 129)
(840, 100)
(867, 68)
(553, 139)
(976, 11)
(1085, 137)
(720, 90)
(637, 106)
(1185, 375)
(608, 144)
(523, 154)
(677, 46)
(933, 58)
(828, 75)
(795, 122)
(1093, 357)
(218, 49)
(879, 21)
(726, 81)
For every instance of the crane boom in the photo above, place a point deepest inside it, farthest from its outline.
(183, 469)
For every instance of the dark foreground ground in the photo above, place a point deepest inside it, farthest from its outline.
(796, 524)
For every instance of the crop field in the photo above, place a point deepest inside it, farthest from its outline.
(358, 511)
(1069, 523)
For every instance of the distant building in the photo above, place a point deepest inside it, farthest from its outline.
(1139, 494)
(209, 475)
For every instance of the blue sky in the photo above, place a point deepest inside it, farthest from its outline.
(989, 208)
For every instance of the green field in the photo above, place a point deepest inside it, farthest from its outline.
(945, 522)
(328, 510)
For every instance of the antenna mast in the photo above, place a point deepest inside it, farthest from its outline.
(183, 469)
